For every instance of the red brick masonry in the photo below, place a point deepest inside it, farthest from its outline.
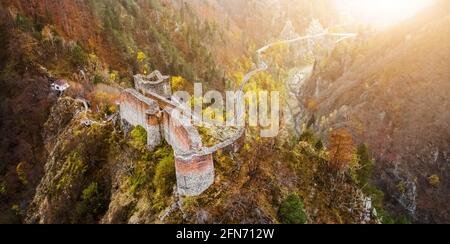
(198, 165)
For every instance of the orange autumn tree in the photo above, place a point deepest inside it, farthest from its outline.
(342, 149)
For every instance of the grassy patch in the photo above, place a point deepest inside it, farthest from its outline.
(74, 166)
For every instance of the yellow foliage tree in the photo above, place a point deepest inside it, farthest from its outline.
(21, 173)
(434, 181)
(114, 76)
(177, 82)
(141, 57)
(312, 105)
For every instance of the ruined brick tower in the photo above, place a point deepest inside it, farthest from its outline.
(155, 83)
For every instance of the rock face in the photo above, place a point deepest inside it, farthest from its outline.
(47, 206)
(393, 95)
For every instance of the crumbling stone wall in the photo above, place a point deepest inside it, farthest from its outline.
(150, 106)
(182, 138)
(153, 83)
(195, 172)
(137, 109)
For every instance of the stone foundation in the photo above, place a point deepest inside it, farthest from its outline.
(194, 175)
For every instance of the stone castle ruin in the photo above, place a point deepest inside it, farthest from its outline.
(149, 105)
(153, 83)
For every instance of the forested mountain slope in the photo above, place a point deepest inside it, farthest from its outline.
(388, 90)
(391, 89)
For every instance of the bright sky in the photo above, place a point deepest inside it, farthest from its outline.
(381, 13)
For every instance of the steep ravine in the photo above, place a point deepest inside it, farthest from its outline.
(391, 91)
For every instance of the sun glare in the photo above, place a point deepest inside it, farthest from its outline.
(381, 13)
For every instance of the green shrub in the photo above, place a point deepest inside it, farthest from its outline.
(126, 82)
(401, 187)
(3, 188)
(93, 201)
(109, 109)
(78, 56)
(366, 165)
(154, 4)
(73, 167)
(292, 210)
(308, 136)
(153, 171)
(90, 192)
(362, 176)
(24, 23)
(138, 137)
(319, 145)
(21, 173)
(434, 181)
(403, 220)
(138, 179)
(98, 79)
(15, 208)
(376, 195)
(387, 219)
(165, 178)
